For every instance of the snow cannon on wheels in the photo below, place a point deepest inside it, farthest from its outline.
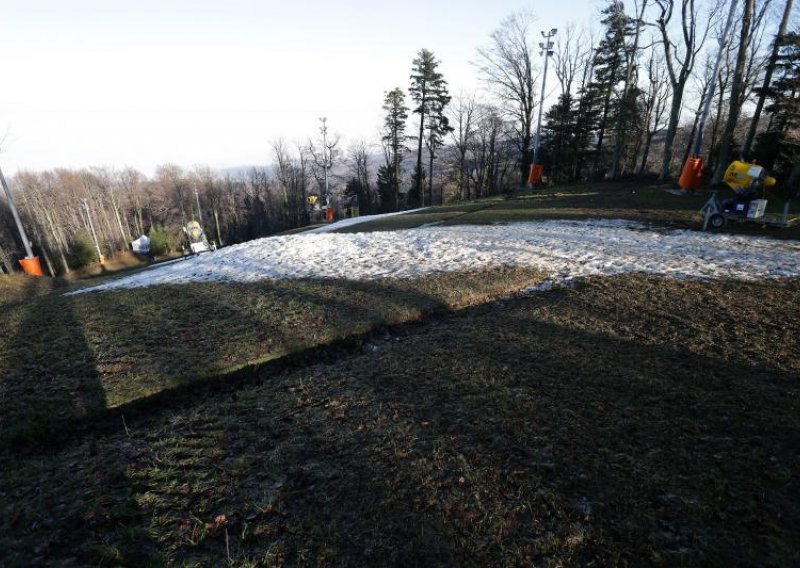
(196, 239)
(749, 181)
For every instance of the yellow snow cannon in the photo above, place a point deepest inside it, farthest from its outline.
(743, 177)
(196, 238)
(748, 180)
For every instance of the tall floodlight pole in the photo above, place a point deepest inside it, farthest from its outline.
(17, 220)
(692, 169)
(324, 130)
(546, 48)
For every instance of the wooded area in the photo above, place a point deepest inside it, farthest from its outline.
(627, 95)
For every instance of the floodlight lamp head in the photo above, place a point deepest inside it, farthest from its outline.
(553, 31)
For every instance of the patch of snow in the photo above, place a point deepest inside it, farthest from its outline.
(562, 249)
(548, 285)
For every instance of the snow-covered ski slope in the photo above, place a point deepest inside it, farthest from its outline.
(563, 249)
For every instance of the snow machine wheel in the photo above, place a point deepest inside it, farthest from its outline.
(717, 221)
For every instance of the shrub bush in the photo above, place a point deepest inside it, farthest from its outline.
(159, 241)
(82, 249)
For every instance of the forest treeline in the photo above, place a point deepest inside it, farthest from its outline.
(627, 95)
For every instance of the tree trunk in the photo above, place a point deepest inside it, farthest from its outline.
(646, 153)
(672, 128)
(430, 176)
(5, 260)
(58, 243)
(527, 160)
(794, 180)
(712, 148)
(773, 58)
(735, 105)
(602, 131)
(618, 143)
(48, 262)
(691, 137)
(418, 180)
(216, 221)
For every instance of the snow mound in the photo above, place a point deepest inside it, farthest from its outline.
(563, 249)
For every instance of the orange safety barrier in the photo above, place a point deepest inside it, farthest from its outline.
(31, 266)
(535, 174)
(692, 173)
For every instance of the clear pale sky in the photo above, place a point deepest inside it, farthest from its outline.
(141, 83)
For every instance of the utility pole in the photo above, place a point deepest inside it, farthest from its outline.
(17, 220)
(546, 49)
(94, 234)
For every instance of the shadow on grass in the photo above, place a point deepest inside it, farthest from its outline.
(50, 354)
(50, 375)
(318, 322)
(159, 347)
(498, 435)
(553, 444)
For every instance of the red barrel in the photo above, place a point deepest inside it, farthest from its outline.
(535, 174)
(691, 174)
(31, 266)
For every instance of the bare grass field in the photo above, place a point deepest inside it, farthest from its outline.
(628, 420)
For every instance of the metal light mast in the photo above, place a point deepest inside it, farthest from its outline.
(17, 220)
(546, 49)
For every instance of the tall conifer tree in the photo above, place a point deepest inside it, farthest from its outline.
(394, 138)
(610, 68)
(429, 91)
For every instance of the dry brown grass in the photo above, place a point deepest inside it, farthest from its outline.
(64, 358)
(629, 420)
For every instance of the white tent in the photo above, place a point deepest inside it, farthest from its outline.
(141, 245)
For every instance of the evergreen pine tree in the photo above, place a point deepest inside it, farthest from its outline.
(610, 67)
(561, 142)
(389, 198)
(429, 91)
(394, 137)
(779, 146)
(587, 117)
(438, 127)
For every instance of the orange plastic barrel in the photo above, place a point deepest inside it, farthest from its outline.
(329, 214)
(31, 266)
(535, 174)
(692, 173)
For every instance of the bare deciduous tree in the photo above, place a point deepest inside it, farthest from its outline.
(508, 67)
(737, 86)
(679, 59)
